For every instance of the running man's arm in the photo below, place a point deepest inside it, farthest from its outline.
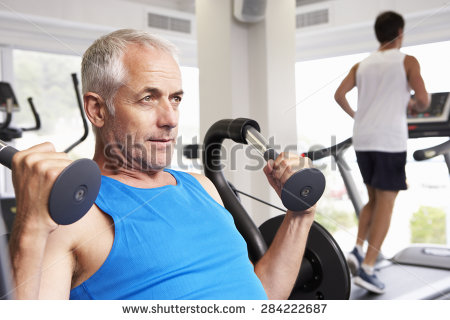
(415, 80)
(346, 85)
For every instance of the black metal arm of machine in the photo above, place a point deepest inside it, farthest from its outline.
(300, 192)
(37, 119)
(83, 117)
(221, 130)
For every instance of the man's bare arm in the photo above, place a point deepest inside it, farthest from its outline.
(415, 80)
(34, 172)
(346, 85)
(278, 268)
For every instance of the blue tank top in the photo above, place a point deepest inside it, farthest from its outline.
(171, 242)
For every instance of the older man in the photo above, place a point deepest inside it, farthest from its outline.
(153, 233)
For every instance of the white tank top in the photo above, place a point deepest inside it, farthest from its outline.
(383, 95)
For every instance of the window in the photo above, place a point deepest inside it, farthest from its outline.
(189, 124)
(321, 122)
(47, 79)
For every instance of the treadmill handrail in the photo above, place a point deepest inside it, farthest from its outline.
(326, 152)
(428, 153)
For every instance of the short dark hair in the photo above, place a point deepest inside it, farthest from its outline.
(387, 26)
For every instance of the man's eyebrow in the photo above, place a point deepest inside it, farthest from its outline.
(156, 91)
(149, 90)
(178, 93)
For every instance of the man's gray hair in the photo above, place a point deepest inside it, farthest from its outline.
(102, 69)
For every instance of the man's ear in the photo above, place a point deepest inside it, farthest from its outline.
(95, 108)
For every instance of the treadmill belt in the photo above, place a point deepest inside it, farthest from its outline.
(407, 282)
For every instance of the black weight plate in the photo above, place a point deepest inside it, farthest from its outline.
(303, 189)
(74, 191)
(324, 273)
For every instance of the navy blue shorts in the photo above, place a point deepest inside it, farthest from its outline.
(383, 170)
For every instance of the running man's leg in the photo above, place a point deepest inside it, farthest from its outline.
(365, 217)
(380, 223)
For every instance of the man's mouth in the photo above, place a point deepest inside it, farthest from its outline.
(161, 140)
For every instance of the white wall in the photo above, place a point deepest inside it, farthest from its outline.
(241, 66)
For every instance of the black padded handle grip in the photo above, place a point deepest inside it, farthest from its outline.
(6, 154)
(270, 154)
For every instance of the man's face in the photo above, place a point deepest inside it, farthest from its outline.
(145, 124)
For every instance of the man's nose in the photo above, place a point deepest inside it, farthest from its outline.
(167, 115)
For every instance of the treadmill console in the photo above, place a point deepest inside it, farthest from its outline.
(435, 121)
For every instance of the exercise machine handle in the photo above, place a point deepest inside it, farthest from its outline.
(256, 139)
(6, 154)
(211, 154)
(300, 192)
(303, 189)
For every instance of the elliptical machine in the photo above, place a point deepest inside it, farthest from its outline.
(8, 103)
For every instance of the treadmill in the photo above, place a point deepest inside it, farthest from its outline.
(417, 272)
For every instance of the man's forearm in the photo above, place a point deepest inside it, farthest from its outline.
(278, 268)
(343, 103)
(27, 254)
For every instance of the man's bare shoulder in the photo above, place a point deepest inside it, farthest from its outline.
(70, 235)
(208, 186)
(409, 58)
(354, 68)
(411, 62)
(84, 245)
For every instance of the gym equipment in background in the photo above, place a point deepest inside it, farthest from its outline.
(83, 117)
(418, 271)
(9, 104)
(72, 194)
(76, 188)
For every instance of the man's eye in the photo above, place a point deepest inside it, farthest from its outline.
(147, 98)
(177, 99)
